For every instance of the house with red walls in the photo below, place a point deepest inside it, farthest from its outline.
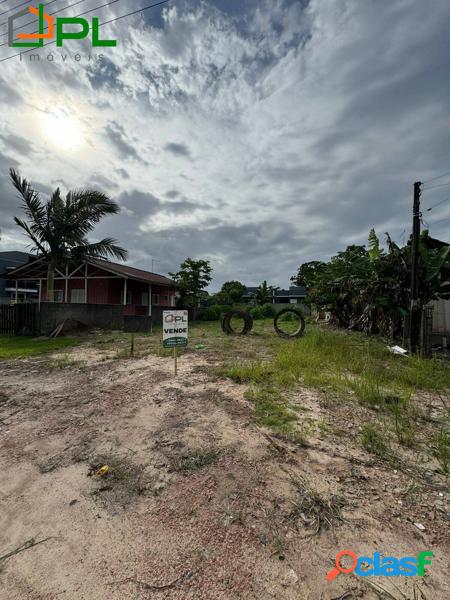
(96, 281)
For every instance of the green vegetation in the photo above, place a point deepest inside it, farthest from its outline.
(13, 346)
(440, 445)
(346, 363)
(195, 461)
(368, 289)
(374, 440)
(271, 410)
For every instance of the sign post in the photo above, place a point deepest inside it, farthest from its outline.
(175, 331)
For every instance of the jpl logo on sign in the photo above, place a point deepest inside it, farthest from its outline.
(57, 28)
(175, 328)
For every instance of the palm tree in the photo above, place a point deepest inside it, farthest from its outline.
(58, 227)
(264, 293)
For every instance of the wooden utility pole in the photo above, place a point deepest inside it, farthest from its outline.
(415, 308)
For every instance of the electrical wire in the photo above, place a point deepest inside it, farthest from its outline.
(438, 204)
(50, 14)
(436, 178)
(27, 2)
(14, 7)
(103, 23)
(440, 221)
(439, 185)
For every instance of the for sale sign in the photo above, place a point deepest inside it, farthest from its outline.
(175, 328)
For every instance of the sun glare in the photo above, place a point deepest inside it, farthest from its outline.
(63, 129)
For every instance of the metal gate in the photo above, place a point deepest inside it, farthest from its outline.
(18, 319)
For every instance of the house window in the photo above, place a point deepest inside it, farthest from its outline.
(155, 300)
(144, 299)
(57, 295)
(77, 296)
(129, 298)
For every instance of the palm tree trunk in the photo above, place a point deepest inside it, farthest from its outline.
(50, 281)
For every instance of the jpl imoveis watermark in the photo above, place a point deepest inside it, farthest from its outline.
(57, 57)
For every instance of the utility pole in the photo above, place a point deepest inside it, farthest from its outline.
(415, 308)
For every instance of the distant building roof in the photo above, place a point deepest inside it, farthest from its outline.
(295, 291)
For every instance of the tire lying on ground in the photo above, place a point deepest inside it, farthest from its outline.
(239, 314)
(301, 327)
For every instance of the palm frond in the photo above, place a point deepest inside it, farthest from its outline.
(103, 249)
(33, 206)
(31, 235)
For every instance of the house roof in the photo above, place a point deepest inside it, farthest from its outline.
(295, 291)
(132, 272)
(38, 268)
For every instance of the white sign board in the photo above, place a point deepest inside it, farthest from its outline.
(175, 328)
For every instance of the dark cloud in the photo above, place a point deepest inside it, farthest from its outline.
(17, 143)
(104, 74)
(102, 183)
(172, 194)
(141, 204)
(8, 94)
(178, 149)
(116, 135)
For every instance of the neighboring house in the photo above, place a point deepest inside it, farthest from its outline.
(24, 291)
(294, 295)
(101, 282)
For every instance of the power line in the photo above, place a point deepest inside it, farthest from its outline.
(438, 204)
(436, 178)
(14, 7)
(439, 185)
(103, 23)
(27, 2)
(440, 221)
(50, 14)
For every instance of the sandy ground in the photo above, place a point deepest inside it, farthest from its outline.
(200, 503)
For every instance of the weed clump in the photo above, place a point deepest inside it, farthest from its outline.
(373, 439)
(440, 446)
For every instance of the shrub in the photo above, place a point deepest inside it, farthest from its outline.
(212, 313)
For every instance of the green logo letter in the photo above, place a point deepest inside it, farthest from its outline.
(77, 35)
(95, 40)
(422, 561)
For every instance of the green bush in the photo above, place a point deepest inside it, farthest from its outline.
(262, 312)
(212, 313)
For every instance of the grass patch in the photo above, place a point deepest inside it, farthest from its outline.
(271, 410)
(345, 363)
(14, 346)
(314, 510)
(440, 446)
(195, 461)
(374, 440)
(122, 482)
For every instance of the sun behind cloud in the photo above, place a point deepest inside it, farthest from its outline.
(63, 129)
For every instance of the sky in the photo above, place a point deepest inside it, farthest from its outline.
(256, 134)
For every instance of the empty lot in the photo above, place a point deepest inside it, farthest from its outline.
(241, 478)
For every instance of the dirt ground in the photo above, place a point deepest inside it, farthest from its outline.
(200, 502)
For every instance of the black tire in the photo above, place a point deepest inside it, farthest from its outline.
(295, 334)
(240, 314)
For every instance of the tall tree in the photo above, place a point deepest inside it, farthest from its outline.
(192, 279)
(230, 293)
(307, 273)
(58, 227)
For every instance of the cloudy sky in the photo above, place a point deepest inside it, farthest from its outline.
(257, 134)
